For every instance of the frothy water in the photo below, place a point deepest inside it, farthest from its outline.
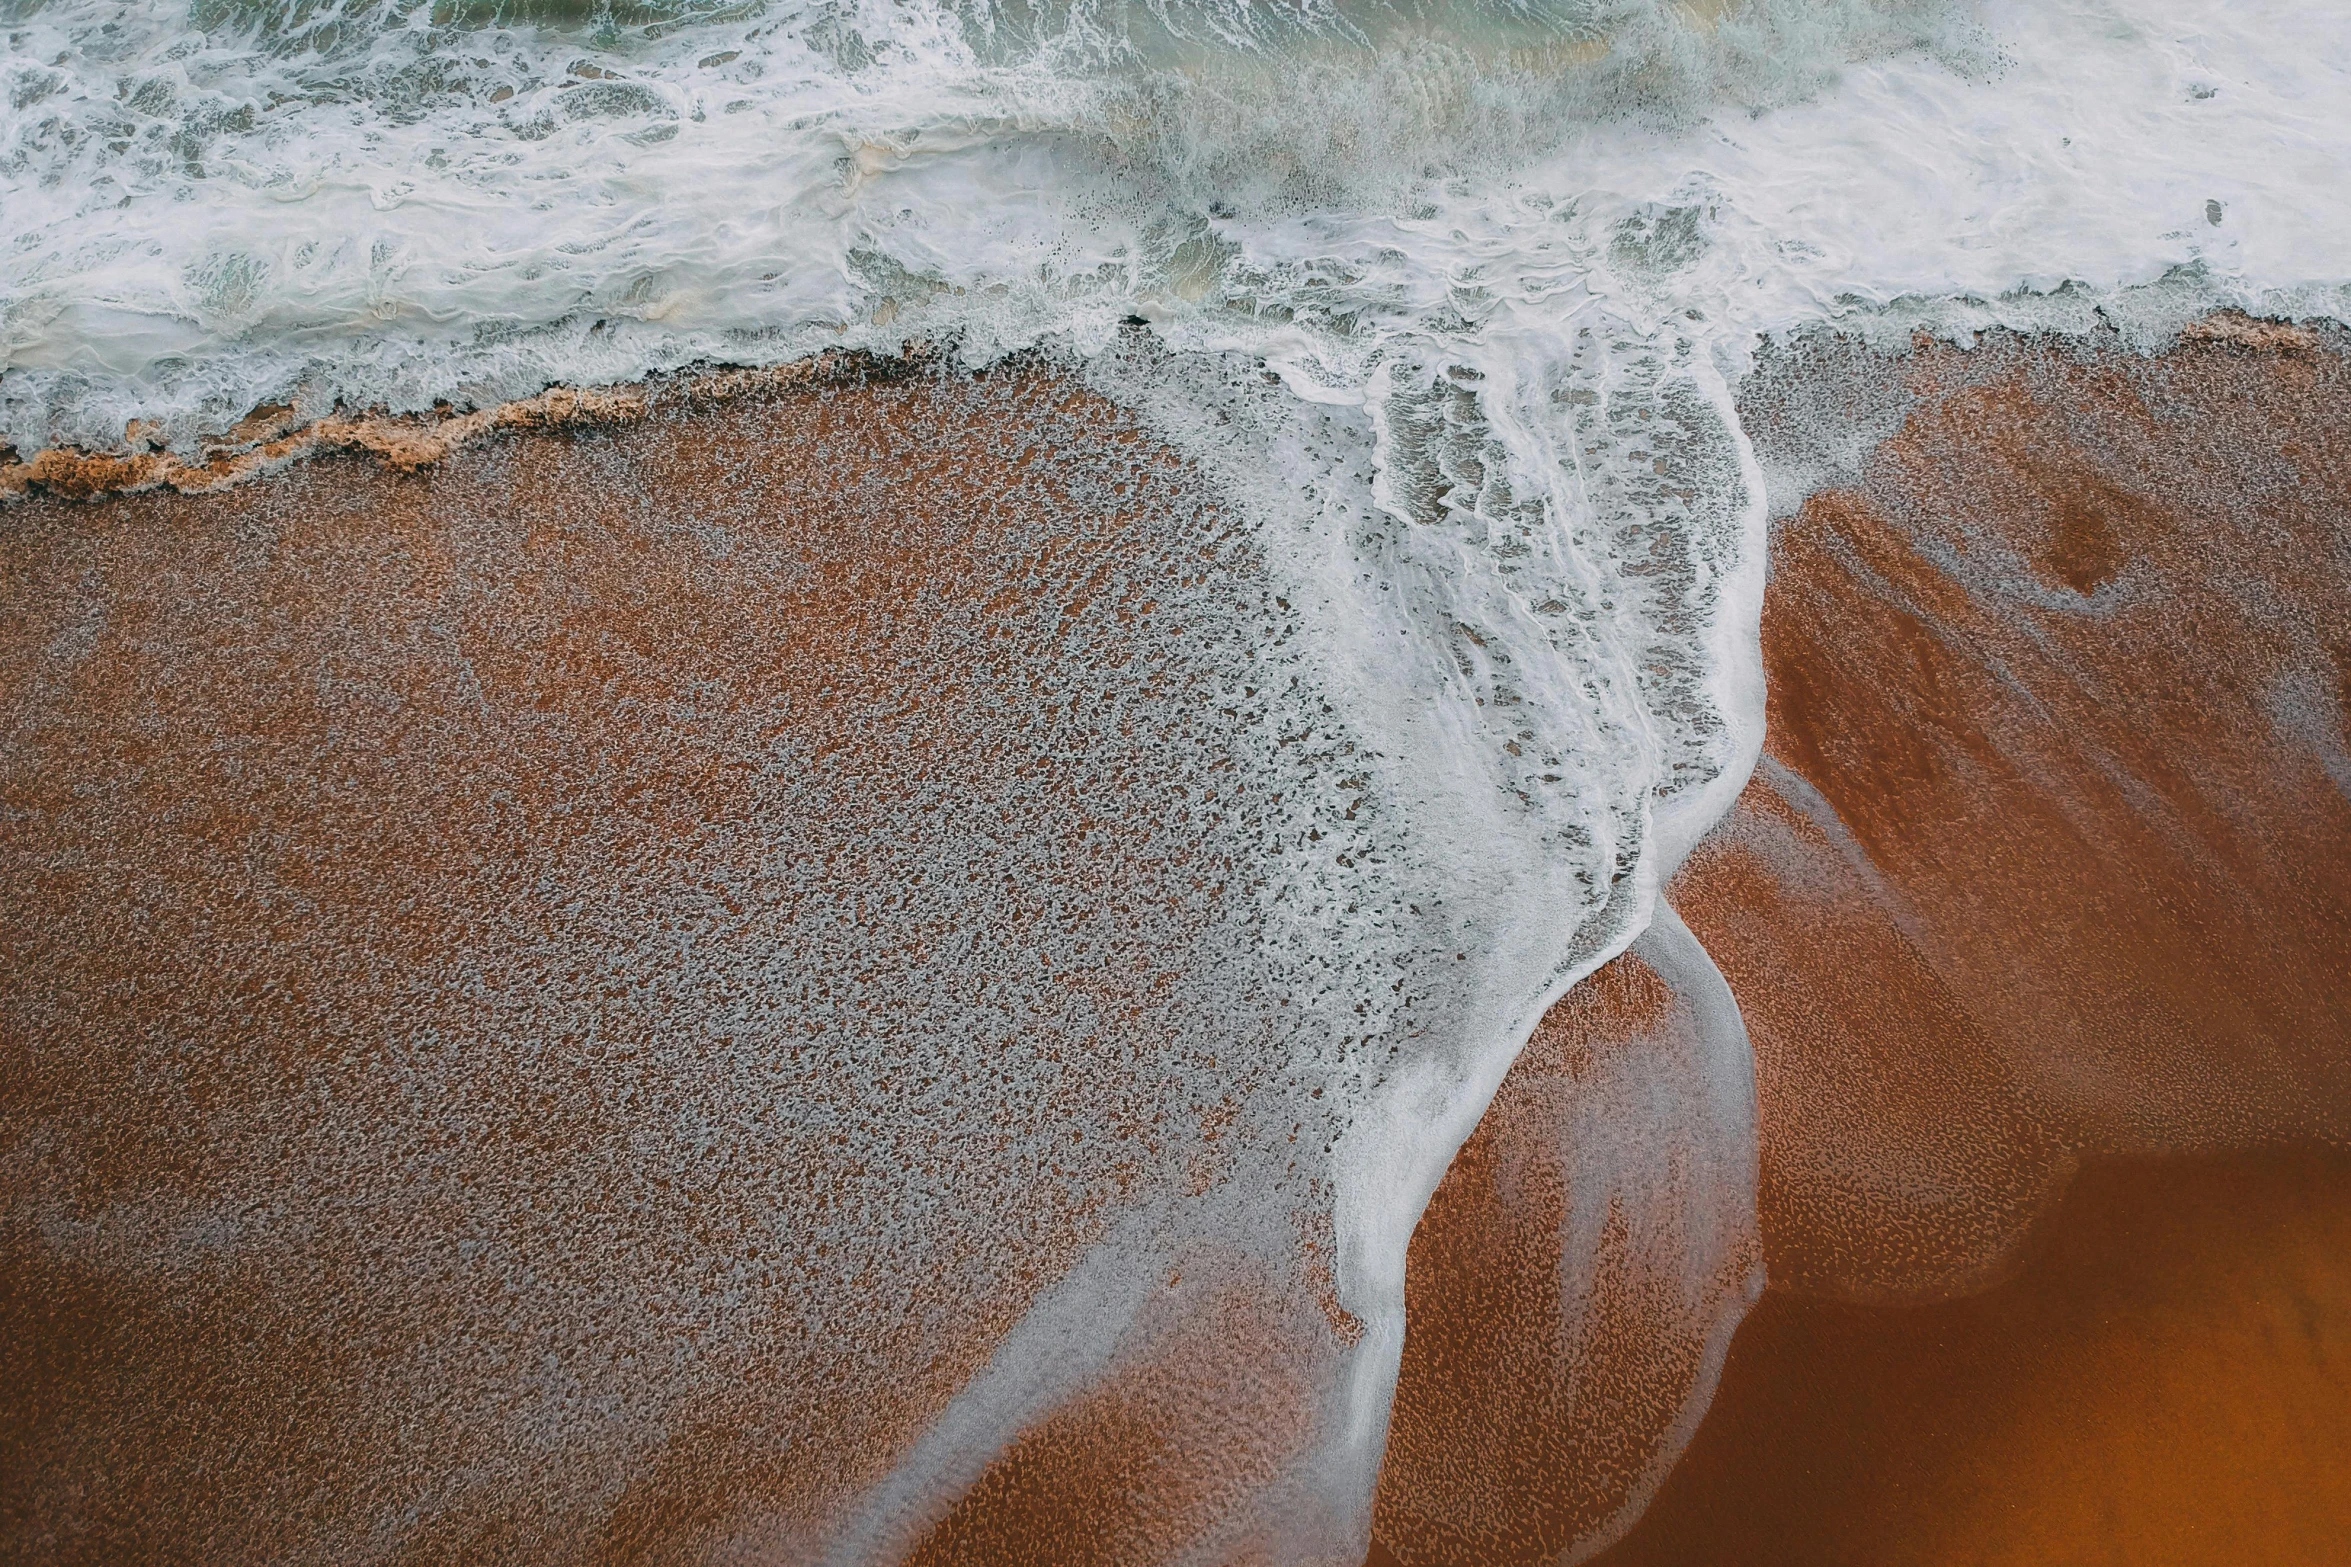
(1445, 300)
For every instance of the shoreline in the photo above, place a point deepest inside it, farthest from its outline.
(268, 440)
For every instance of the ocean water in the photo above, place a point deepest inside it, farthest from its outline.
(1447, 300)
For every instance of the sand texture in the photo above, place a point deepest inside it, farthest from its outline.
(473, 1053)
(2048, 861)
(475, 1087)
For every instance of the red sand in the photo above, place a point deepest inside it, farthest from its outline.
(2049, 858)
(1901, 1151)
(1140, 1468)
(2112, 821)
(317, 788)
(2166, 1383)
(1516, 1279)
(381, 1178)
(2084, 856)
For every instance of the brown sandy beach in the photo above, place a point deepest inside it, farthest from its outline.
(319, 787)
(368, 1138)
(2048, 861)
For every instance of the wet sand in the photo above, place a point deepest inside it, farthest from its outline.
(2055, 789)
(1571, 1287)
(1141, 1467)
(2166, 1382)
(323, 791)
(2048, 861)
(472, 1063)
(2069, 667)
